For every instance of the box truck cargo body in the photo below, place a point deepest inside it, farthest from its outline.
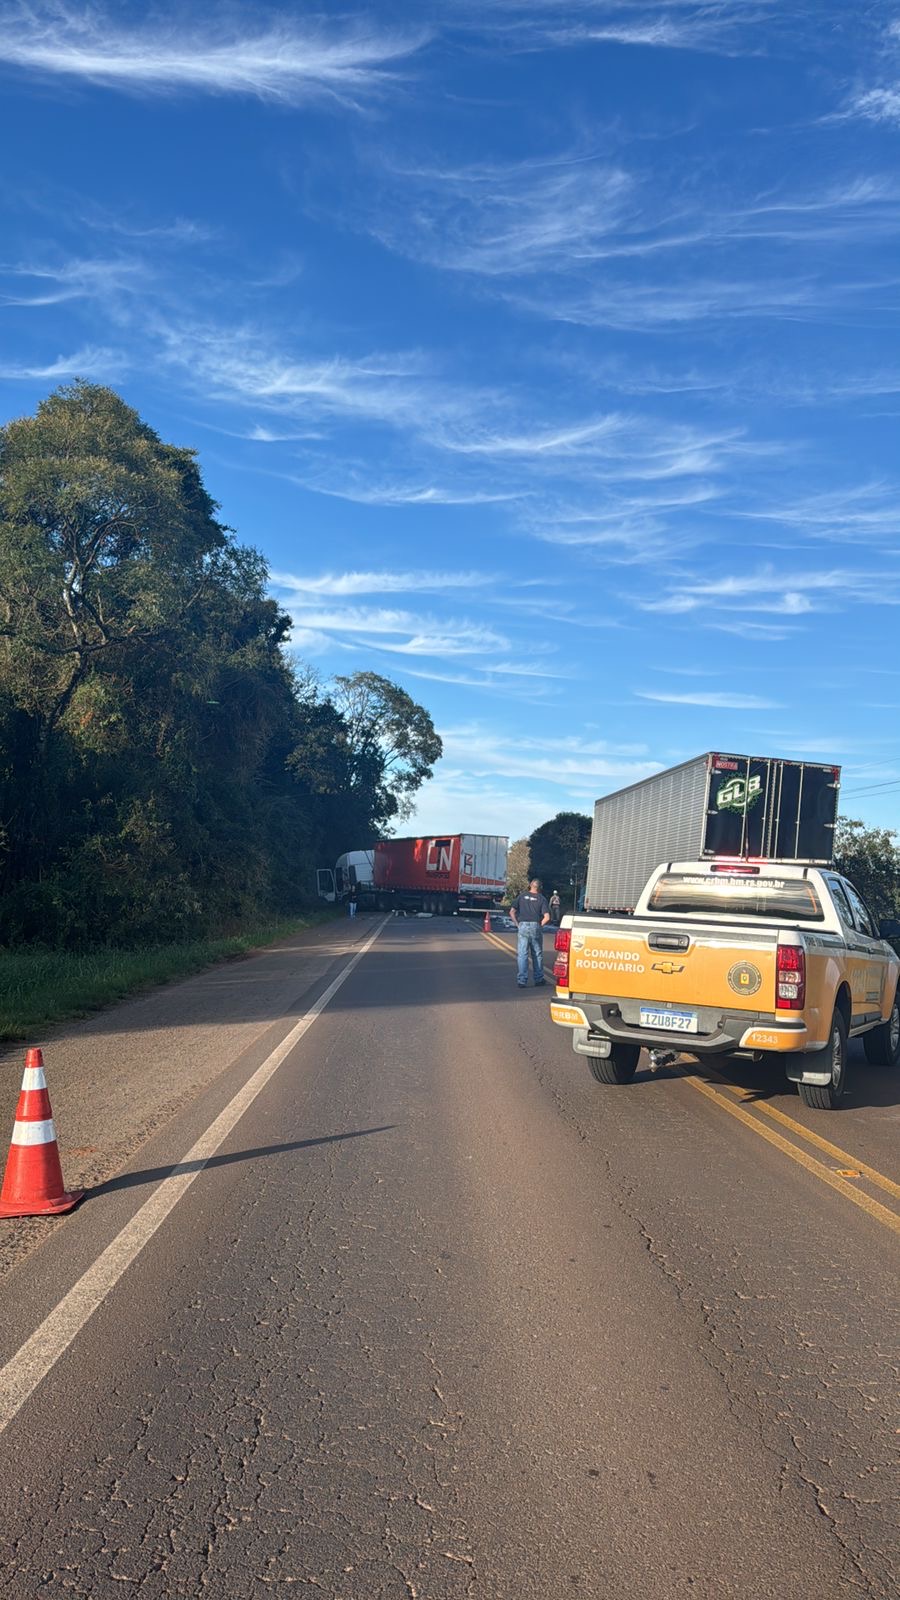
(437, 873)
(744, 807)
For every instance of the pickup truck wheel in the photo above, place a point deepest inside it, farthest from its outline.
(882, 1045)
(825, 1096)
(619, 1066)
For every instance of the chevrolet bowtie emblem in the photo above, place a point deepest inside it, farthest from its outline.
(668, 967)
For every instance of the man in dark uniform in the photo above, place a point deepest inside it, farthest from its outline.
(530, 913)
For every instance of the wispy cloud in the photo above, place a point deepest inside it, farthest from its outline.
(769, 590)
(566, 220)
(42, 284)
(789, 603)
(547, 235)
(594, 436)
(89, 362)
(485, 753)
(245, 365)
(862, 512)
(356, 583)
(528, 683)
(473, 446)
(756, 632)
(628, 306)
(628, 483)
(402, 632)
(284, 61)
(865, 206)
(613, 448)
(360, 492)
(625, 527)
(180, 231)
(721, 700)
(878, 105)
(717, 27)
(501, 221)
(440, 648)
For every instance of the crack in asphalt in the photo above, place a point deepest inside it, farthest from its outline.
(721, 1353)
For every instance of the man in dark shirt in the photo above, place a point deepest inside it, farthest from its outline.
(530, 913)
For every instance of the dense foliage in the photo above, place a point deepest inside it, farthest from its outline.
(559, 853)
(164, 769)
(870, 858)
(518, 868)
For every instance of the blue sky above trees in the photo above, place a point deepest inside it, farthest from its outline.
(548, 351)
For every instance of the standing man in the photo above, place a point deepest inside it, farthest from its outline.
(555, 907)
(530, 913)
(353, 900)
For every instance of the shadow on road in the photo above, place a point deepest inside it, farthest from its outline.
(130, 1180)
(866, 1085)
(413, 970)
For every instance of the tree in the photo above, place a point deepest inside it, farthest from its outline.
(390, 742)
(107, 540)
(518, 868)
(870, 858)
(164, 769)
(559, 852)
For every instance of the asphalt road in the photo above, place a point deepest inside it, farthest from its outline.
(442, 1317)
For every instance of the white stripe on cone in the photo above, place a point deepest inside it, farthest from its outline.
(34, 1132)
(34, 1078)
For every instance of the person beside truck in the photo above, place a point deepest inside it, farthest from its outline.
(530, 913)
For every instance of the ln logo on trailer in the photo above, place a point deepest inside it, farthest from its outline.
(443, 861)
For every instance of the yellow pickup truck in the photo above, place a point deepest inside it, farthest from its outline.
(744, 958)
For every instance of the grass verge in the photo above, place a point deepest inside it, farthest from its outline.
(41, 987)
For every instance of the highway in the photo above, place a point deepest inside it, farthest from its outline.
(400, 1305)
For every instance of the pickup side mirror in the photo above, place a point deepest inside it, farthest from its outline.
(889, 928)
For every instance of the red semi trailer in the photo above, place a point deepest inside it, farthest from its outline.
(440, 873)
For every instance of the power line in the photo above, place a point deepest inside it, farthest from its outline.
(889, 783)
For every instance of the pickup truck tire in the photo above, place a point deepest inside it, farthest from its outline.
(825, 1096)
(619, 1066)
(882, 1045)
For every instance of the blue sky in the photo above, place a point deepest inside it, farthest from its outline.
(548, 351)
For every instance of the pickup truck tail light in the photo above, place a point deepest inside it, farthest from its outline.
(561, 964)
(790, 978)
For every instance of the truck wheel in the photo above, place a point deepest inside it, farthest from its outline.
(619, 1066)
(825, 1096)
(882, 1045)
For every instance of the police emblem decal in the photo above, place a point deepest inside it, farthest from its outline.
(744, 977)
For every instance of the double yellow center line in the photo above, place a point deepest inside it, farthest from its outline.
(842, 1178)
(734, 1100)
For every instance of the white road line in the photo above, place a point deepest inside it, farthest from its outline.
(39, 1354)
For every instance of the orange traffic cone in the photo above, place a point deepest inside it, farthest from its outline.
(33, 1184)
(486, 925)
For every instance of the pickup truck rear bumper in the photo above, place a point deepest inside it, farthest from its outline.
(595, 1020)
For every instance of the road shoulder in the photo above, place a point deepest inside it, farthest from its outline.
(122, 1074)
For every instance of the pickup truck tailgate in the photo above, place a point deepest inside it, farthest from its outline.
(647, 961)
